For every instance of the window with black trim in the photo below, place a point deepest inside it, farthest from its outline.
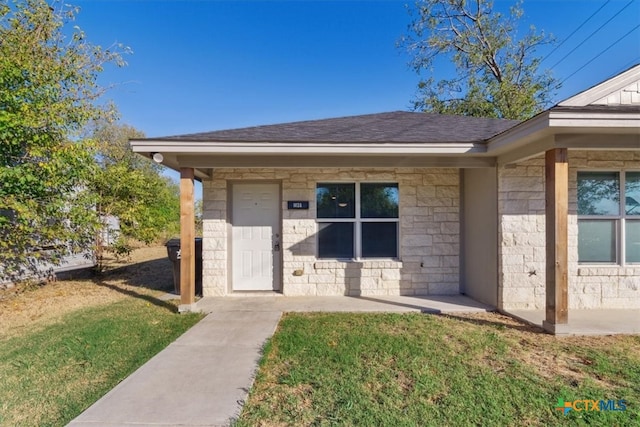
(357, 220)
(609, 217)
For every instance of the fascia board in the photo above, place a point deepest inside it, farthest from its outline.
(553, 122)
(608, 120)
(252, 148)
(519, 135)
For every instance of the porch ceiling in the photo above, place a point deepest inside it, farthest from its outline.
(351, 161)
(203, 163)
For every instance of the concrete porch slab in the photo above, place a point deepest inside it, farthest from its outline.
(588, 322)
(401, 304)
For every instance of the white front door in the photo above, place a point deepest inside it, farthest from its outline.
(255, 221)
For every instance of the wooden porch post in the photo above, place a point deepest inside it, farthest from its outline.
(187, 241)
(557, 211)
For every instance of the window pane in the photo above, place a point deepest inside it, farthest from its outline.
(335, 240)
(336, 200)
(632, 241)
(379, 239)
(598, 193)
(596, 240)
(379, 200)
(632, 193)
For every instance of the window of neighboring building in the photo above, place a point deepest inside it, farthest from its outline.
(357, 220)
(609, 217)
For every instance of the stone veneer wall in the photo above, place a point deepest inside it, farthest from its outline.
(521, 239)
(429, 234)
(521, 235)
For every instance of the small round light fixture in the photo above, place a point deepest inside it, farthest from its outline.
(157, 157)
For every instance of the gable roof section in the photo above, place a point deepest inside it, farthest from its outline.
(392, 127)
(606, 116)
(621, 90)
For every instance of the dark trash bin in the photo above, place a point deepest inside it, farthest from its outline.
(173, 252)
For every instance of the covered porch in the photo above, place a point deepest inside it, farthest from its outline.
(415, 157)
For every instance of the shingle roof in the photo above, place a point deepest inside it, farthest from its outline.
(397, 126)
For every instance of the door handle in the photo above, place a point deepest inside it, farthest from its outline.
(276, 247)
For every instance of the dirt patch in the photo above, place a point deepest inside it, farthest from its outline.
(146, 271)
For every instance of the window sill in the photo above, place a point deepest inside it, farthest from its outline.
(370, 263)
(609, 270)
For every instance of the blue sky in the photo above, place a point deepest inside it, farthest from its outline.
(203, 65)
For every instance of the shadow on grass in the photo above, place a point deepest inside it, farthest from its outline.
(153, 274)
(149, 298)
(501, 322)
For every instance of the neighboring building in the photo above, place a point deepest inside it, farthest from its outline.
(422, 204)
(44, 270)
(71, 262)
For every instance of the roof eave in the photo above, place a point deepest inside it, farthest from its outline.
(204, 156)
(304, 148)
(567, 128)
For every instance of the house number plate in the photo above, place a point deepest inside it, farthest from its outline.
(297, 204)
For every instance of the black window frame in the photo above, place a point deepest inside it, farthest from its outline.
(357, 219)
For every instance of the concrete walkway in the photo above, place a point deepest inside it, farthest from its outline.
(203, 378)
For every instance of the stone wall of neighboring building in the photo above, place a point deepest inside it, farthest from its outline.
(521, 239)
(599, 286)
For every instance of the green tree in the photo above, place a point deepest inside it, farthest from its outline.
(497, 72)
(132, 189)
(48, 92)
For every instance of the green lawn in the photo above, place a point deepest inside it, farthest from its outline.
(413, 369)
(50, 374)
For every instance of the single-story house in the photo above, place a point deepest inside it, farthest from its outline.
(540, 214)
